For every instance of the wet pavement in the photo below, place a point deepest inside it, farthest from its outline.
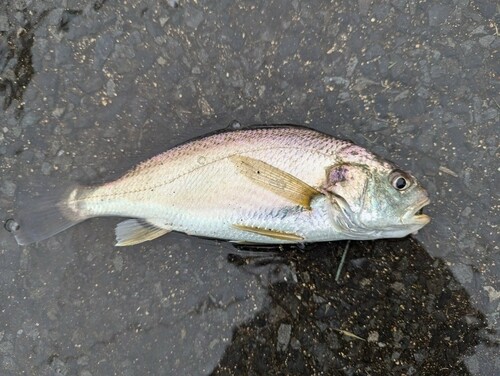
(89, 88)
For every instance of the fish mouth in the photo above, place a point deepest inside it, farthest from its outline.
(416, 216)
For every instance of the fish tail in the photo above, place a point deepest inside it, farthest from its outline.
(47, 215)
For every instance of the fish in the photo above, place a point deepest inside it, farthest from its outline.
(268, 184)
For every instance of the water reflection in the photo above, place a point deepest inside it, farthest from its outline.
(394, 308)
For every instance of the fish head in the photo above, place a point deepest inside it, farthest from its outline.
(375, 199)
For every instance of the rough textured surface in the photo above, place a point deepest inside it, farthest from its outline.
(371, 322)
(88, 88)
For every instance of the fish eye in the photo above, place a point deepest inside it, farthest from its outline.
(400, 180)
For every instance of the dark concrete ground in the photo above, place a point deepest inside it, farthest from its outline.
(88, 88)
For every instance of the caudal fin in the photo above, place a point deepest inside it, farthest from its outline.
(44, 216)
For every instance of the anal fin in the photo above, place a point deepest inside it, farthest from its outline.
(135, 231)
(281, 235)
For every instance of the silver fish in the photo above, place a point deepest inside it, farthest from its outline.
(270, 184)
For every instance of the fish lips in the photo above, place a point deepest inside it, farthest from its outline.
(416, 216)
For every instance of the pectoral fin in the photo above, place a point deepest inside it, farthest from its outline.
(135, 231)
(281, 235)
(276, 180)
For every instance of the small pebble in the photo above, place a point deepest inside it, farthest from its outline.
(11, 225)
(4, 23)
(194, 18)
(8, 188)
(284, 333)
(46, 168)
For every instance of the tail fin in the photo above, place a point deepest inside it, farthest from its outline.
(42, 217)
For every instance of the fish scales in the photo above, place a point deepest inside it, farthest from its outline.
(190, 164)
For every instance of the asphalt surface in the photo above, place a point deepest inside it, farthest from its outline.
(89, 88)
